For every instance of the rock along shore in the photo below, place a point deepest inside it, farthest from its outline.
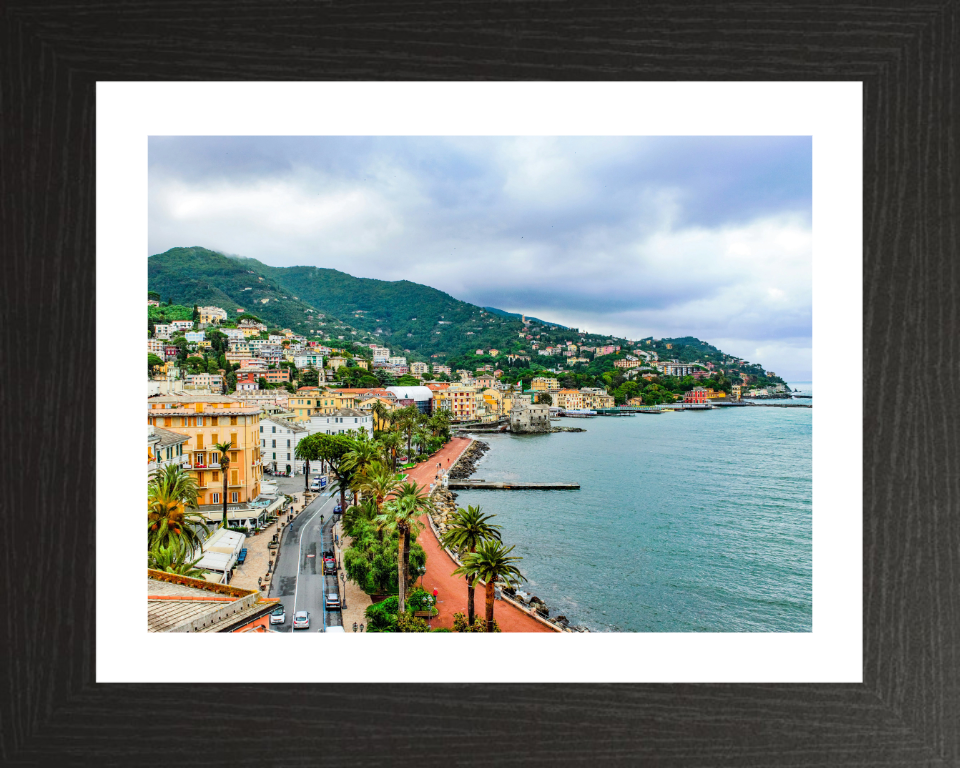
(445, 502)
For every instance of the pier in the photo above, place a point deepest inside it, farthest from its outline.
(471, 485)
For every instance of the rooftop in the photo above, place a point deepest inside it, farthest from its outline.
(168, 437)
(182, 604)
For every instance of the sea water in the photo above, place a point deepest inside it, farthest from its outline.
(696, 521)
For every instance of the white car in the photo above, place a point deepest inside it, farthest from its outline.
(332, 602)
(333, 629)
(301, 620)
(278, 616)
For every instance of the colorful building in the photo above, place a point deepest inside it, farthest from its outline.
(207, 420)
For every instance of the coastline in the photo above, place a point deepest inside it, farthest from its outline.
(465, 466)
(452, 590)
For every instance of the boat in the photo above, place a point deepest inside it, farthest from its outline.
(578, 413)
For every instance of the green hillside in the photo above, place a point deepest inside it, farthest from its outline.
(401, 315)
(200, 276)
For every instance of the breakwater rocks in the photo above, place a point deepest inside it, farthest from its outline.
(567, 429)
(535, 604)
(467, 463)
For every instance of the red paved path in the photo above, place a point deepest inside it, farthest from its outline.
(452, 590)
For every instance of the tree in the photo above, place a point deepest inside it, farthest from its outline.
(307, 450)
(333, 449)
(171, 560)
(381, 414)
(378, 482)
(224, 466)
(390, 443)
(262, 383)
(309, 377)
(490, 563)
(544, 398)
(403, 513)
(169, 523)
(231, 381)
(196, 314)
(153, 362)
(153, 296)
(466, 531)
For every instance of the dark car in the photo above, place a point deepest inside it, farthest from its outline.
(337, 510)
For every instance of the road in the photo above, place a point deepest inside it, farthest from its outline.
(298, 580)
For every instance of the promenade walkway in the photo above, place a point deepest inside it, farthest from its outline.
(452, 590)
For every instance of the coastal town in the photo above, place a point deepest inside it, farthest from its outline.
(262, 440)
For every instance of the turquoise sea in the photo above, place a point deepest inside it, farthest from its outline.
(685, 521)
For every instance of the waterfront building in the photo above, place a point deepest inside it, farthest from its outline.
(544, 384)
(735, 391)
(529, 417)
(207, 420)
(569, 399)
(458, 399)
(697, 396)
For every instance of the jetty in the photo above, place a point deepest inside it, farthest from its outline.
(471, 485)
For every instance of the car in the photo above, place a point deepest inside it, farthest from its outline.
(329, 565)
(333, 629)
(242, 557)
(279, 615)
(332, 601)
(301, 620)
(337, 510)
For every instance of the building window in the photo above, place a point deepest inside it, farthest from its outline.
(214, 498)
(288, 445)
(274, 456)
(274, 429)
(274, 444)
(261, 429)
(234, 497)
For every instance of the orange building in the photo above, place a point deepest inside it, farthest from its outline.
(207, 420)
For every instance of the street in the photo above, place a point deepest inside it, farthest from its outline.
(298, 579)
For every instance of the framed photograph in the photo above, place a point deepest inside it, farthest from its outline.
(836, 652)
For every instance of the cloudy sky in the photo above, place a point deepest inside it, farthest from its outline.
(636, 236)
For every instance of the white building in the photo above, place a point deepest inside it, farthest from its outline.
(234, 334)
(306, 361)
(182, 325)
(164, 447)
(396, 361)
(278, 444)
(162, 330)
(155, 347)
(340, 421)
(194, 337)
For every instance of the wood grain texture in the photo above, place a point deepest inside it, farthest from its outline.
(907, 711)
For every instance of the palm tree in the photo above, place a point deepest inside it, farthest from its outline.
(402, 513)
(421, 437)
(381, 414)
(391, 442)
(170, 560)
(224, 466)
(490, 563)
(405, 419)
(378, 482)
(468, 529)
(169, 495)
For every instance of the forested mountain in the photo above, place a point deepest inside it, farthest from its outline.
(401, 315)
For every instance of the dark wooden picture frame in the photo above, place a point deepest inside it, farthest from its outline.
(906, 712)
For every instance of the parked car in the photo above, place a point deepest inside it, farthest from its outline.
(279, 615)
(337, 510)
(332, 629)
(301, 620)
(332, 601)
(329, 565)
(242, 557)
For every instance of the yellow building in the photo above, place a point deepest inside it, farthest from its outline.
(494, 401)
(212, 314)
(712, 395)
(543, 384)
(207, 420)
(304, 403)
(367, 404)
(571, 399)
(735, 391)
(459, 400)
